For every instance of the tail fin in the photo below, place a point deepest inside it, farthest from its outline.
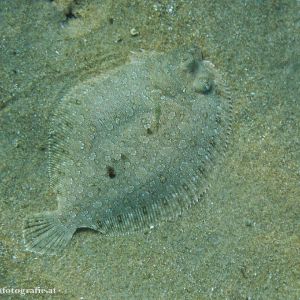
(44, 233)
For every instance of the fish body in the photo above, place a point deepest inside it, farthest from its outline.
(132, 147)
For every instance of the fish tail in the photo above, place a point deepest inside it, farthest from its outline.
(45, 233)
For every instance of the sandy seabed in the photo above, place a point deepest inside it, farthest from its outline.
(242, 241)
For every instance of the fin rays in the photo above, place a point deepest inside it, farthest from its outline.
(44, 233)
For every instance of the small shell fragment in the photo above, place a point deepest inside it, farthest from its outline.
(134, 32)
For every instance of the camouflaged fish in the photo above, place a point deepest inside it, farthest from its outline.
(132, 147)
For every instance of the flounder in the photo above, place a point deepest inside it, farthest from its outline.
(132, 147)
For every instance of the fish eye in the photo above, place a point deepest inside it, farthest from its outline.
(202, 85)
(192, 66)
(189, 64)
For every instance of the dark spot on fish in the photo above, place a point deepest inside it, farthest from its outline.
(123, 156)
(149, 131)
(212, 142)
(218, 119)
(201, 170)
(99, 224)
(192, 67)
(185, 187)
(111, 172)
(165, 202)
(42, 147)
(144, 210)
(69, 14)
(120, 219)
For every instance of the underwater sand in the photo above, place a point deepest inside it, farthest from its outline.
(242, 241)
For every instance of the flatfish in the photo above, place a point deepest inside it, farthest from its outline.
(132, 147)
